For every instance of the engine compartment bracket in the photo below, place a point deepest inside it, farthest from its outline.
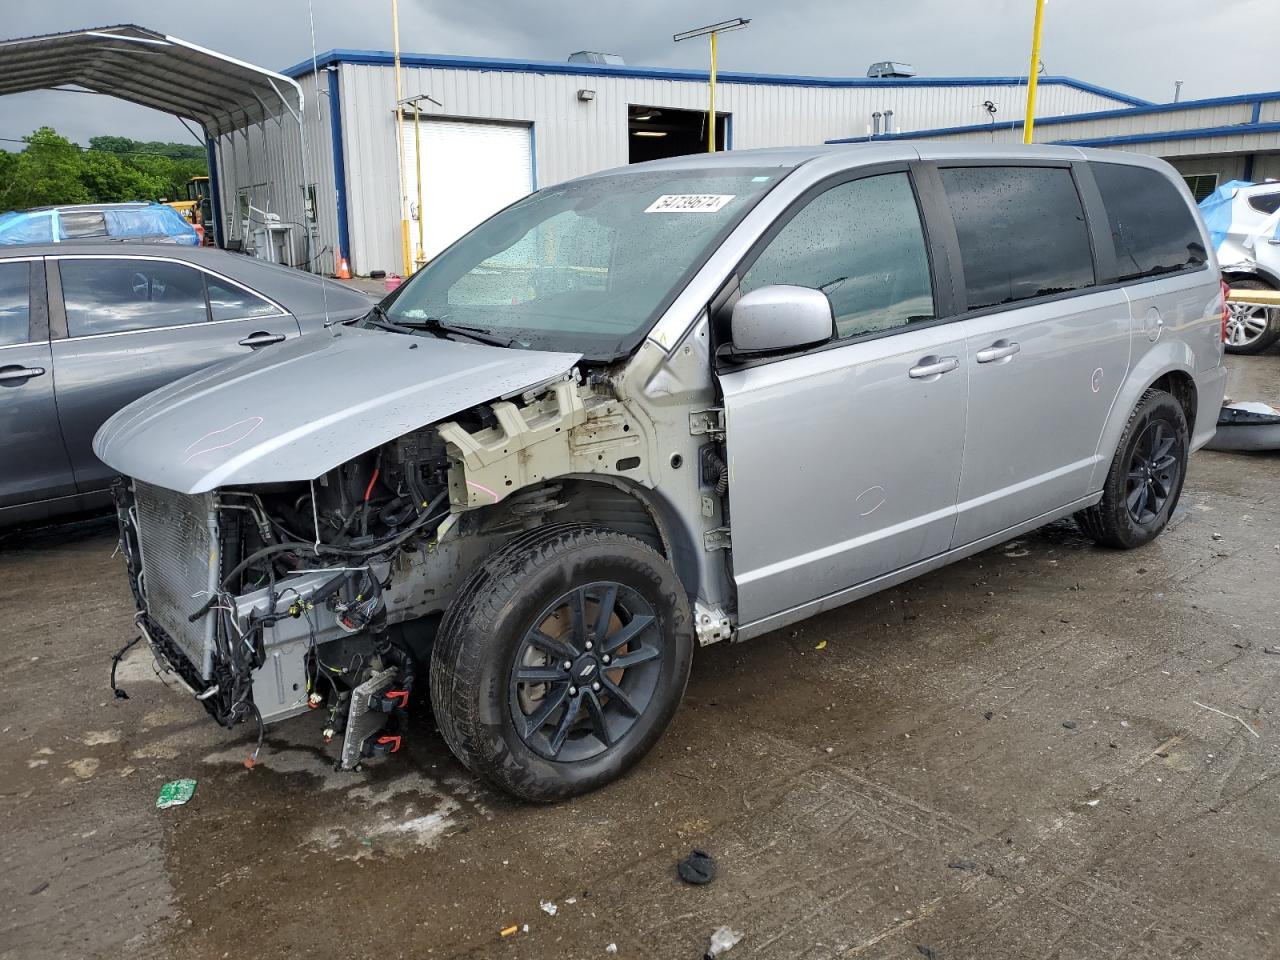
(711, 624)
(717, 539)
(707, 422)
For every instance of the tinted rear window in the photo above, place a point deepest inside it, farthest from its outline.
(103, 295)
(1152, 227)
(1267, 203)
(1022, 232)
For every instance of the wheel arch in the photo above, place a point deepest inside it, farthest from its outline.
(1168, 366)
(620, 504)
(1255, 272)
(630, 507)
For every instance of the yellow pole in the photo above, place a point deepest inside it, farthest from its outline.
(711, 110)
(417, 158)
(404, 218)
(1028, 125)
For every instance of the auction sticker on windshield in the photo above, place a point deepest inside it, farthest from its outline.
(689, 203)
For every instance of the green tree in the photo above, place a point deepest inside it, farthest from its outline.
(54, 171)
(108, 179)
(46, 172)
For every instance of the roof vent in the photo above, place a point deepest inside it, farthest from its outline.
(590, 56)
(891, 68)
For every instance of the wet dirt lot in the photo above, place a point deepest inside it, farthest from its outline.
(1049, 750)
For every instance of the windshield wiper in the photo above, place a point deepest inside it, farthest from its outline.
(377, 317)
(440, 328)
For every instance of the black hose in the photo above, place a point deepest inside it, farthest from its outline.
(115, 662)
(324, 548)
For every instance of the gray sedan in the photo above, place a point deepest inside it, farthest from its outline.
(84, 331)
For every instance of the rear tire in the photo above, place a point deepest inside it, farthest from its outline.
(1251, 328)
(561, 661)
(1146, 476)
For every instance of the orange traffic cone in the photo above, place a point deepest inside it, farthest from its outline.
(344, 269)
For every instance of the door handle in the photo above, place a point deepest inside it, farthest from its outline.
(261, 339)
(1000, 350)
(11, 374)
(933, 367)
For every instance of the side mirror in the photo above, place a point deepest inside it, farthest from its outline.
(780, 317)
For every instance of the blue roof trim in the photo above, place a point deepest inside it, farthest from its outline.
(385, 57)
(1256, 99)
(1232, 130)
(1229, 130)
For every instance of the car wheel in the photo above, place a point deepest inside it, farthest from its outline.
(1251, 327)
(1146, 476)
(561, 660)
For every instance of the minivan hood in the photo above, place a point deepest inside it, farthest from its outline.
(298, 409)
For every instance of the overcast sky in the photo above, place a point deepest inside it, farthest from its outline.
(1140, 47)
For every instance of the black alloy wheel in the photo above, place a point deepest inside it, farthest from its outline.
(1154, 472)
(1145, 479)
(585, 671)
(561, 660)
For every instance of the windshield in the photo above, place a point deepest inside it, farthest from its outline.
(586, 266)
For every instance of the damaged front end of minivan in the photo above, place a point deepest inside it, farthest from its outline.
(270, 592)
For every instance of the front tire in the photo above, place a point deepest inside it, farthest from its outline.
(1146, 476)
(1251, 327)
(561, 661)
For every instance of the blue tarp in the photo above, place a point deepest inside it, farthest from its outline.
(155, 221)
(20, 227)
(1216, 209)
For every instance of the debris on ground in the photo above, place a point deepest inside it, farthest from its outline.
(40, 887)
(508, 931)
(962, 865)
(722, 941)
(927, 952)
(1069, 724)
(1229, 716)
(697, 868)
(1274, 651)
(175, 793)
(988, 715)
(611, 948)
(822, 645)
(548, 908)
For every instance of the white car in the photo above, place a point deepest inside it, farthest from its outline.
(1244, 223)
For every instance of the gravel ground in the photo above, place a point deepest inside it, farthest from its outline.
(1049, 750)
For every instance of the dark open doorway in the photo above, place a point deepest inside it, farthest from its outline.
(657, 132)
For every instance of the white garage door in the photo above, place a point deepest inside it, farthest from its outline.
(470, 170)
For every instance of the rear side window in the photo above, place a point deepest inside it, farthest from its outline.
(1267, 203)
(80, 224)
(1022, 233)
(15, 302)
(1152, 227)
(860, 243)
(115, 295)
(228, 302)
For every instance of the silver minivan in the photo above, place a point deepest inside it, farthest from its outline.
(661, 406)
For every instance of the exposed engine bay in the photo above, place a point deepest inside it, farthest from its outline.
(270, 600)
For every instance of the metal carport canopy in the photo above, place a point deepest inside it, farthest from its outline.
(220, 93)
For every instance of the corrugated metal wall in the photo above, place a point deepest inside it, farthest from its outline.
(572, 138)
(266, 160)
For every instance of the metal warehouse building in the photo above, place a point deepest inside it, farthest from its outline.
(495, 129)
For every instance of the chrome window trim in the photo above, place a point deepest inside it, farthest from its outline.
(280, 310)
(173, 326)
